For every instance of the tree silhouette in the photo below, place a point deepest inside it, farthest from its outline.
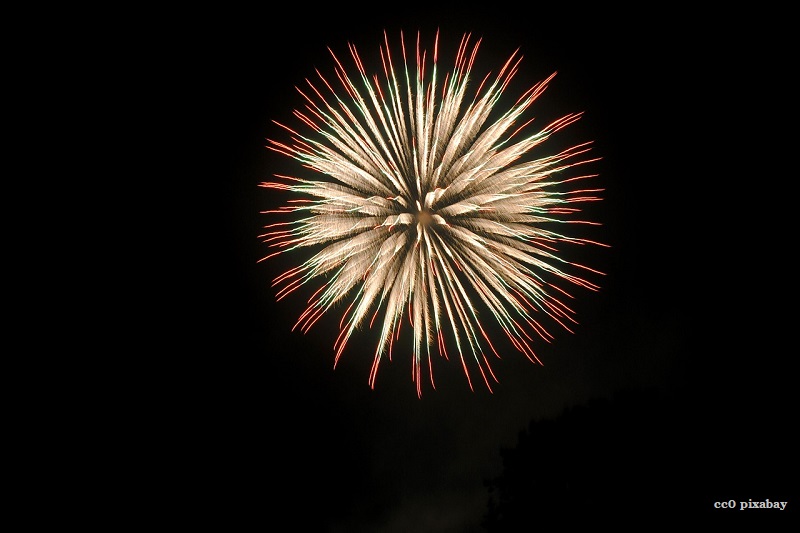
(606, 459)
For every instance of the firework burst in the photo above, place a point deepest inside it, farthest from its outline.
(423, 203)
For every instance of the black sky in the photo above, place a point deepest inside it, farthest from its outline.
(258, 427)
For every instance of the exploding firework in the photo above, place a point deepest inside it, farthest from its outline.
(424, 203)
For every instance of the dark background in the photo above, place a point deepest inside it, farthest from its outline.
(673, 393)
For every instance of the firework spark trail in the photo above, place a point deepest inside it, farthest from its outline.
(422, 206)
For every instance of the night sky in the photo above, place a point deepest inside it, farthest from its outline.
(672, 393)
